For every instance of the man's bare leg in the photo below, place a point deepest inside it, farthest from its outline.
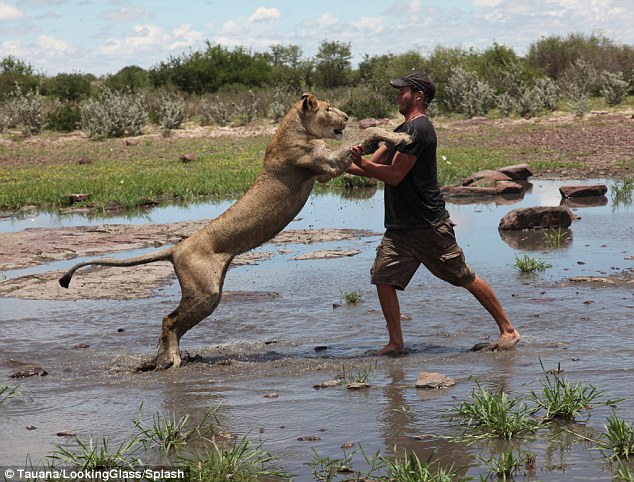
(392, 313)
(509, 336)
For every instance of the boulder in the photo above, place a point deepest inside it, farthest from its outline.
(517, 172)
(484, 176)
(583, 191)
(370, 122)
(499, 188)
(432, 380)
(541, 217)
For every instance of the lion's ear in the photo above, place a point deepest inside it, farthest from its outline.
(310, 102)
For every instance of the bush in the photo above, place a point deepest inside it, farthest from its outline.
(215, 110)
(26, 111)
(468, 94)
(65, 118)
(171, 114)
(70, 87)
(114, 114)
(614, 88)
(366, 103)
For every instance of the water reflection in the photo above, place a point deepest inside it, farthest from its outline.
(537, 239)
(584, 202)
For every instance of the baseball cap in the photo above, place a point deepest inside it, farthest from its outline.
(418, 80)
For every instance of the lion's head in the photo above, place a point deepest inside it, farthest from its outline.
(321, 119)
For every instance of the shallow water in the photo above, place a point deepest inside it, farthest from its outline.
(268, 344)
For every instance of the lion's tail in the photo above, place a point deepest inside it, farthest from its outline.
(162, 255)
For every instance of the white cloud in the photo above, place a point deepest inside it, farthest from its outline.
(13, 47)
(373, 24)
(184, 36)
(52, 46)
(146, 36)
(263, 14)
(487, 3)
(326, 20)
(10, 12)
(124, 14)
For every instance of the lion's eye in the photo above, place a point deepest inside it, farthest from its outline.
(328, 109)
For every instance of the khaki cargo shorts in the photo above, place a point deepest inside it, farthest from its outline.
(401, 252)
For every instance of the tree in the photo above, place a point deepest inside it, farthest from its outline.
(70, 87)
(332, 65)
(288, 67)
(209, 70)
(15, 71)
(132, 77)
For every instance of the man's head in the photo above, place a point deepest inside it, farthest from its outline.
(418, 81)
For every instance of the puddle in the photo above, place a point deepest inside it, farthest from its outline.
(257, 344)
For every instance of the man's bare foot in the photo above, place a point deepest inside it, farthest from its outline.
(506, 341)
(391, 349)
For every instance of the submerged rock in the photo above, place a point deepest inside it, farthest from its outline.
(431, 380)
(30, 371)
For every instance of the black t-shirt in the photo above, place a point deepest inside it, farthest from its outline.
(416, 203)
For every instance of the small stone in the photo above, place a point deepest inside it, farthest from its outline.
(77, 198)
(327, 384)
(30, 371)
(271, 395)
(66, 433)
(432, 380)
(358, 386)
(309, 438)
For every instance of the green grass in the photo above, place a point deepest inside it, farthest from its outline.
(564, 400)
(44, 174)
(351, 297)
(7, 392)
(495, 414)
(555, 238)
(528, 265)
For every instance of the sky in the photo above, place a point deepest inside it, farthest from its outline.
(103, 36)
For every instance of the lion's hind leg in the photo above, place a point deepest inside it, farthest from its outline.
(201, 283)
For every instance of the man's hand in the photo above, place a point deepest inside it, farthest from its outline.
(356, 153)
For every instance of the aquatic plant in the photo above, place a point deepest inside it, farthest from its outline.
(326, 469)
(506, 464)
(7, 392)
(410, 468)
(563, 399)
(530, 265)
(495, 414)
(621, 192)
(360, 376)
(97, 455)
(169, 432)
(351, 297)
(623, 473)
(618, 438)
(242, 462)
(556, 237)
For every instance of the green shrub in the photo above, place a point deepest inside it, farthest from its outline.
(468, 94)
(65, 118)
(368, 104)
(26, 111)
(614, 88)
(171, 114)
(113, 114)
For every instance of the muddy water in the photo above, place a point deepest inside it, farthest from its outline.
(253, 346)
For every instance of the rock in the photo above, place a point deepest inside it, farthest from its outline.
(541, 217)
(517, 172)
(131, 142)
(309, 438)
(84, 160)
(328, 254)
(271, 395)
(583, 191)
(358, 386)
(486, 175)
(327, 384)
(432, 380)
(65, 433)
(499, 188)
(185, 158)
(30, 371)
(369, 122)
(81, 346)
(77, 198)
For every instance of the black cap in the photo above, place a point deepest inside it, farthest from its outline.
(420, 81)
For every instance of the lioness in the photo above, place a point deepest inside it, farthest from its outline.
(295, 157)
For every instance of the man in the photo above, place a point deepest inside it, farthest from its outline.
(418, 228)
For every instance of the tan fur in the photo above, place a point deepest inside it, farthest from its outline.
(295, 157)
